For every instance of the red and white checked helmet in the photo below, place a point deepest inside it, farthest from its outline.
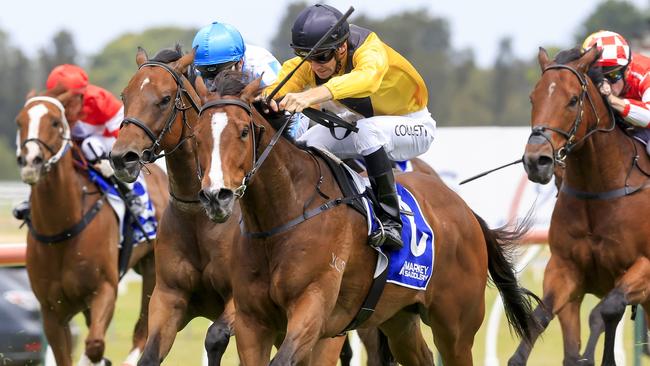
(615, 50)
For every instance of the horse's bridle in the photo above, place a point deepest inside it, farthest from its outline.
(559, 155)
(65, 134)
(257, 162)
(149, 154)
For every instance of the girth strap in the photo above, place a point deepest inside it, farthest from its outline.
(608, 195)
(70, 232)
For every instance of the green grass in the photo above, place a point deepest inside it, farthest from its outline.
(188, 347)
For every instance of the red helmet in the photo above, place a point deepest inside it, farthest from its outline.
(615, 50)
(73, 77)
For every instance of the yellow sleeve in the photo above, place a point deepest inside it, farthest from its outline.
(371, 64)
(300, 81)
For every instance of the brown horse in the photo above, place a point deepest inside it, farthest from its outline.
(598, 237)
(72, 260)
(192, 253)
(198, 284)
(309, 282)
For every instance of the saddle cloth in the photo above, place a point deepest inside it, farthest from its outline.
(412, 265)
(144, 209)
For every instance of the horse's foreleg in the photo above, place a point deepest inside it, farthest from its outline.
(102, 306)
(305, 318)
(58, 336)
(559, 287)
(377, 348)
(167, 314)
(632, 288)
(326, 352)
(596, 328)
(219, 333)
(146, 267)
(254, 339)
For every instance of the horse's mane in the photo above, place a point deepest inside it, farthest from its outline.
(232, 83)
(167, 55)
(595, 73)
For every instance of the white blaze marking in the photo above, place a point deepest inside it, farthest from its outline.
(35, 114)
(551, 89)
(144, 82)
(219, 122)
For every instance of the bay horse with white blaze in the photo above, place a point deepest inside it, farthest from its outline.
(599, 237)
(72, 251)
(309, 282)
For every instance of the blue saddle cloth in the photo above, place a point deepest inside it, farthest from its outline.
(144, 209)
(412, 265)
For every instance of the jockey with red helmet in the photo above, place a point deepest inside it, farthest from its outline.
(93, 112)
(626, 83)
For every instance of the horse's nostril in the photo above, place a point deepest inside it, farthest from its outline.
(130, 157)
(225, 194)
(544, 160)
(37, 160)
(204, 197)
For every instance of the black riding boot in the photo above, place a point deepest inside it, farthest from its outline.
(380, 172)
(21, 211)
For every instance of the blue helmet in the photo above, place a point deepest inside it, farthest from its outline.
(218, 43)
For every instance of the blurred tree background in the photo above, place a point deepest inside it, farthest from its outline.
(460, 92)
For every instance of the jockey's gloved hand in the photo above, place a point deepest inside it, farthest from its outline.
(104, 167)
(93, 150)
(605, 88)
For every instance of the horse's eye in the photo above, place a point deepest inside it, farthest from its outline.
(165, 100)
(244, 132)
(573, 101)
(56, 123)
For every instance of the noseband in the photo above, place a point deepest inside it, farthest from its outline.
(257, 162)
(65, 134)
(559, 155)
(149, 154)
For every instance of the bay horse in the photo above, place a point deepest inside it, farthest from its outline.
(309, 282)
(598, 236)
(198, 282)
(72, 251)
(192, 253)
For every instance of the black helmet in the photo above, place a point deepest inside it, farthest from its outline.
(312, 24)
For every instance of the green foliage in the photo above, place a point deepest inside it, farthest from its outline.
(8, 167)
(619, 16)
(61, 51)
(115, 64)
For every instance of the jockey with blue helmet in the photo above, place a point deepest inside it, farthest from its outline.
(220, 46)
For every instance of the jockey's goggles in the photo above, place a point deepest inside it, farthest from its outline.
(211, 71)
(614, 75)
(320, 57)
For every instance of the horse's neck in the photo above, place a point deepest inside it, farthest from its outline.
(56, 200)
(602, 164)
(280, 187)
(182, 165)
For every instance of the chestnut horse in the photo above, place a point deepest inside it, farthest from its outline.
(198, 283)
(309, 282)
(597, 236)
(76, 268)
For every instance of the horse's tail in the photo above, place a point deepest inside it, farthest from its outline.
(517, 301)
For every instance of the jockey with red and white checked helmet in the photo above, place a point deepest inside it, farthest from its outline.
(626, 76)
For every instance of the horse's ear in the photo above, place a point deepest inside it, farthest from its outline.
(587, 59)
(252, 90)
(31, 94)
(201, 89)
(181, 64)
(542, 58)
(65, 97)
(141, 57)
